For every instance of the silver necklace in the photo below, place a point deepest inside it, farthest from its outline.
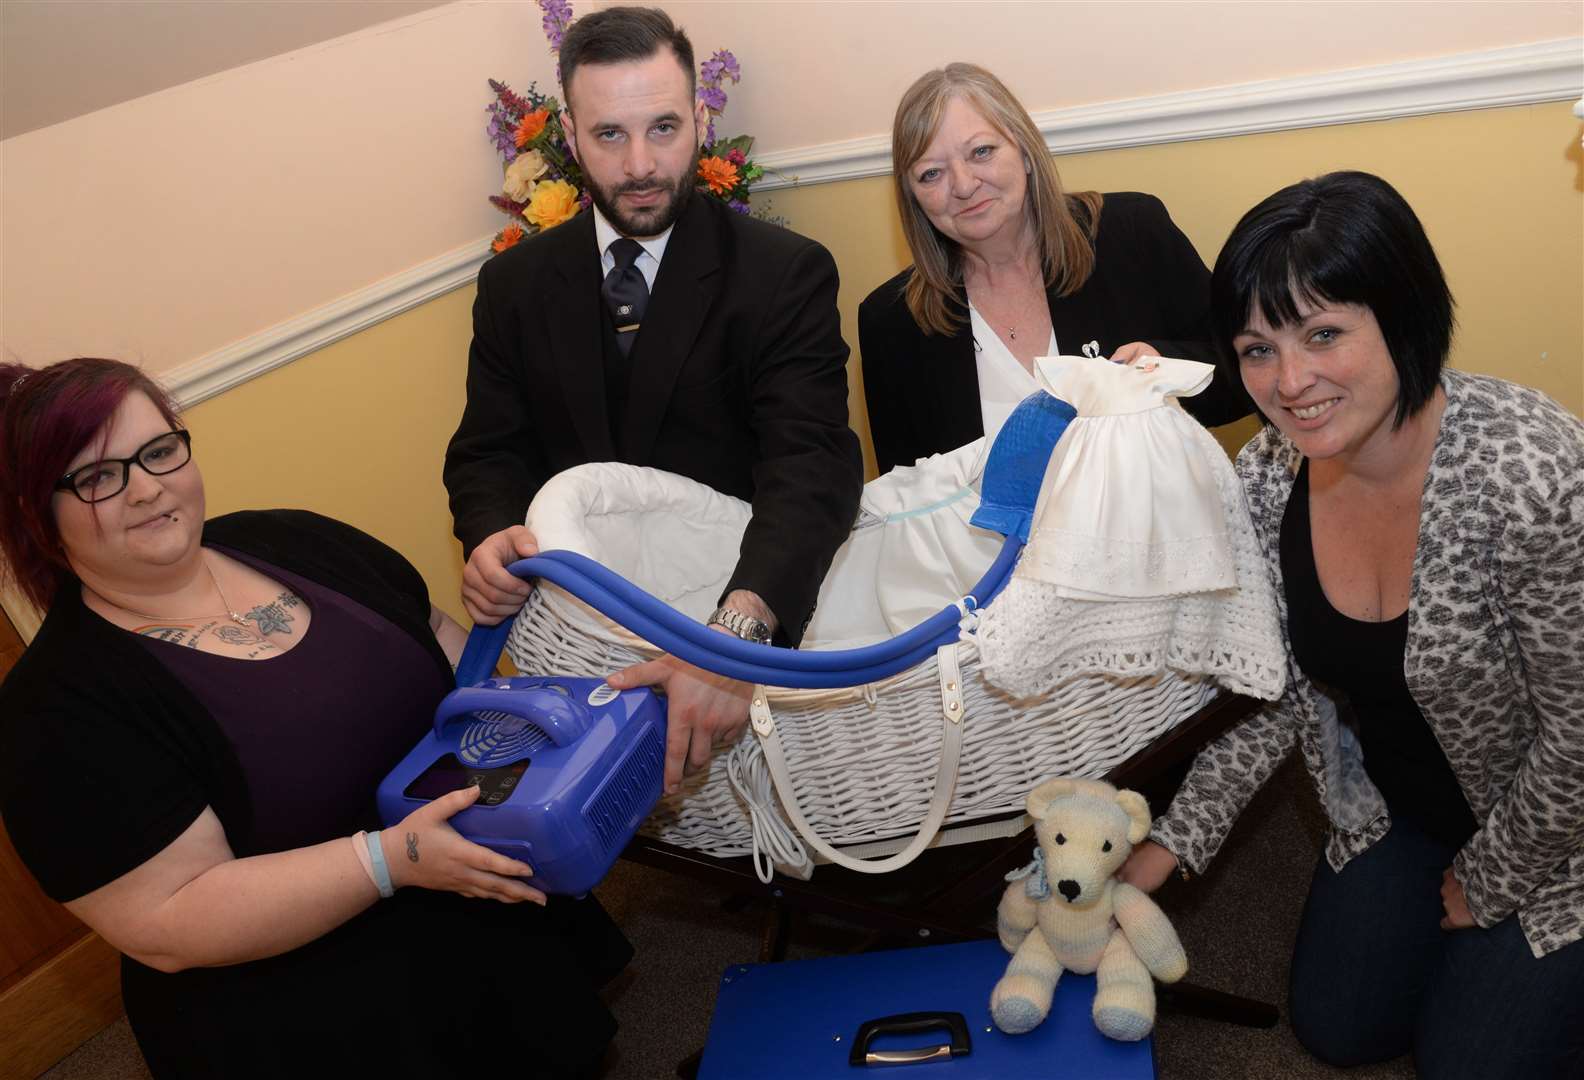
(230, 612)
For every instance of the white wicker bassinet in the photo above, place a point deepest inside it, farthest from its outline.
(897, 758)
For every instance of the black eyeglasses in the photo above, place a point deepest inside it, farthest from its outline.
(106, 479)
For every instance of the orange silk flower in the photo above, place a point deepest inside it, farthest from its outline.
(531, 126)
(507, 237)
(718, 173)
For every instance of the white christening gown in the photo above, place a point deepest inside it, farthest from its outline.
(1129, 508)
(1142, 557)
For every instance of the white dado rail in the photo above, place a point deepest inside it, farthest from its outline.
(1522, 75)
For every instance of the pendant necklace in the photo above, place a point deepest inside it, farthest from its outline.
(229, 612)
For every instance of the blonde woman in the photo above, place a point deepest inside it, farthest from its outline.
(1008, 267)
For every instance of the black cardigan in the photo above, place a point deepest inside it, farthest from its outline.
(158, 756)
(82, 819)
(1148, 284)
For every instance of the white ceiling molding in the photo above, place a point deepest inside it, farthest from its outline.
(1521, 75)
(1525, 74)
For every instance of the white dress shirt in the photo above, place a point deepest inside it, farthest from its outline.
(648, 263)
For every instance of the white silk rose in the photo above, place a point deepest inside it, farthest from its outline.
(521, 174)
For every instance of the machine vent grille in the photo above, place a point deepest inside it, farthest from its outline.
(632, 785)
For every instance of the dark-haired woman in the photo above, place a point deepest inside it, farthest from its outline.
(1007, 268)
(1425, 528)
(188, 755)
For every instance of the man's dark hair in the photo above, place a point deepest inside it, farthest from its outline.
(619, 34)
(1343, 238)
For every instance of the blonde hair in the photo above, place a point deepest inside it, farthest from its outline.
(1066, 239)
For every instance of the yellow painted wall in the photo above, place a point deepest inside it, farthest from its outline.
(357, 430)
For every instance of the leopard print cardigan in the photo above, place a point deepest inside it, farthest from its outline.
(1495, 661)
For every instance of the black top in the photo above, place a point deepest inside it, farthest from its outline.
(142, 755)
(1148, 284)
(1365, 661)
(738, 380)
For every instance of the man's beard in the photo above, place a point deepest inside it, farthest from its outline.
(649, 220)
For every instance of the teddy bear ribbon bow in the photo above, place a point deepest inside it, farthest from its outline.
(1038, 885)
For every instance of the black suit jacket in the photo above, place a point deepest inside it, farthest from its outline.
(1148, 285)
(738, 381)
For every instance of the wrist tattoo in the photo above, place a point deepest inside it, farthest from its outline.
(412, 846)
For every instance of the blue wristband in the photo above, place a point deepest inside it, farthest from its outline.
(376, 850)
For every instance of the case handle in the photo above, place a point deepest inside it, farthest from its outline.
(563, 718)
(905, 1024)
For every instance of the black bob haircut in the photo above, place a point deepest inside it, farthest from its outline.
(620, 34)
(1342, 238)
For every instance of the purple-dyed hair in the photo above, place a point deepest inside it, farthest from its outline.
(46, 418)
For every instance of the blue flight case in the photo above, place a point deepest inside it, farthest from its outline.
(806, 1020)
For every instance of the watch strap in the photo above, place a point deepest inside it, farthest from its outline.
(742, 625)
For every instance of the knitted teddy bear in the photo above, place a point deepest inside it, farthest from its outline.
(1082, 918)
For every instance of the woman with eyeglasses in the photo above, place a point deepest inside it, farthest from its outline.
(189, 751)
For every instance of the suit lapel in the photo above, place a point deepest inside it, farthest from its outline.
(944, 394)
(573, 327)
(1073, 320)
(683, 292)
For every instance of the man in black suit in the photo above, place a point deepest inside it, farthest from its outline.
(661, 329)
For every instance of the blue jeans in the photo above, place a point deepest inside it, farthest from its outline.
(1375, 977)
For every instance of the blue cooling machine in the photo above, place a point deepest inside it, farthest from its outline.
(567, 768)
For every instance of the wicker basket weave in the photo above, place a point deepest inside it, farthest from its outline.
(864, 761)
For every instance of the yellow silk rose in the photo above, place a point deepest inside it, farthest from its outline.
(552, 202)
(521, 174)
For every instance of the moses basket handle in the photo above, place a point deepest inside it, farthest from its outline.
(952, 711)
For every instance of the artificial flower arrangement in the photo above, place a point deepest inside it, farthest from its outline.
(543, 185)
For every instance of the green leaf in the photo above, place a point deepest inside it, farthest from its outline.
(723, 147)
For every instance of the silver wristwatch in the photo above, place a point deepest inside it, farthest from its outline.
(744, 626)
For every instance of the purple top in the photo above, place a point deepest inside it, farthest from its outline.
(315, 728)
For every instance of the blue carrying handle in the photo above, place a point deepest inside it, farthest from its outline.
(670, 630)
(582, 572)
(562, 718)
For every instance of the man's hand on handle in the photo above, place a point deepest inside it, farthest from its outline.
(490, 592)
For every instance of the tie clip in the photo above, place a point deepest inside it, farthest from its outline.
(629, 328)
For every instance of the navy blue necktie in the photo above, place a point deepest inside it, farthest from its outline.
(626, 292)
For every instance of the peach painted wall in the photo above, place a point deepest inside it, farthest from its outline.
(857, 57)
(170, 226)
